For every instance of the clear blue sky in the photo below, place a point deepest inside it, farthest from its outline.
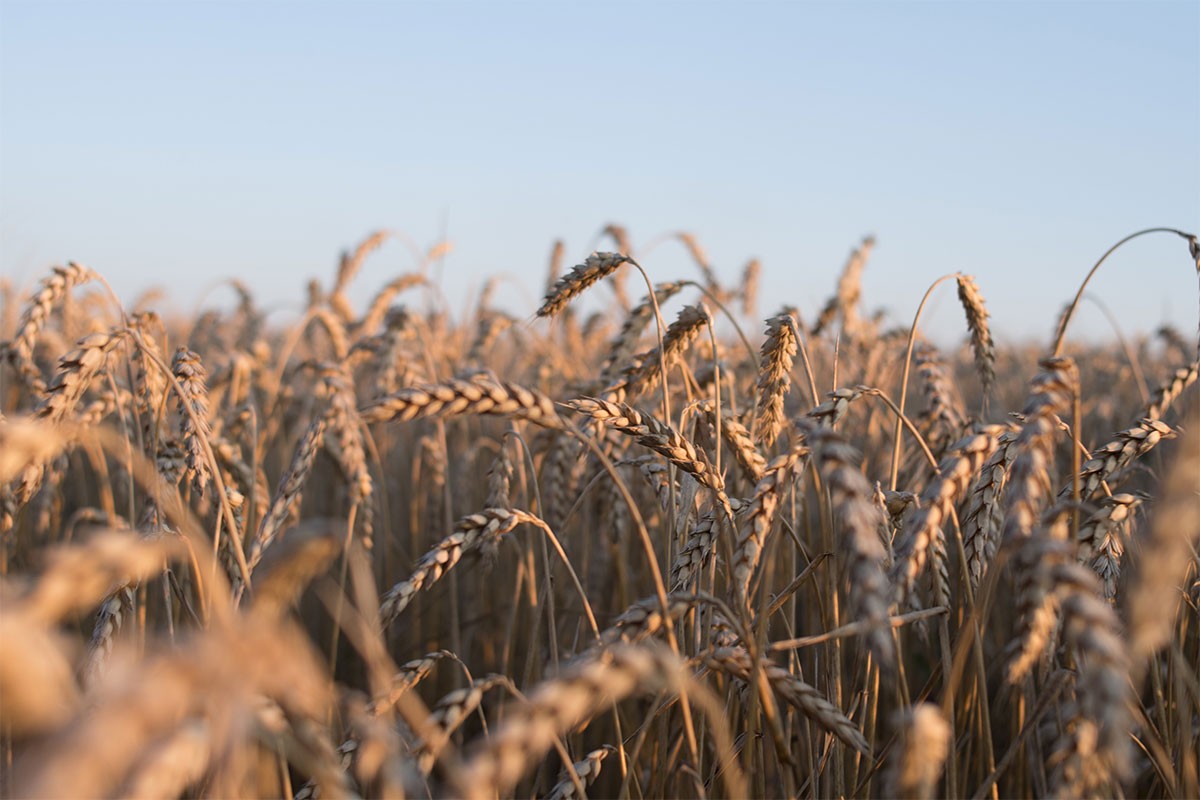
(174, 143)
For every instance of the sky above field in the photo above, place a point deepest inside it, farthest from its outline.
(175, 144)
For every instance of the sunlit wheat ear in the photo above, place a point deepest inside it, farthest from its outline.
(957, 469)
(487, 332)
(558, 252)
(1109, 459)
(110, 620)
(981, 517)
(943, 418)
(35, 316)
(829, 413)
(1101, 539)
(1171, 389)
(559, 706)
(216, 676)
(449, 713)
(624, 345)
(25, 442)
(698, 546)
(858, 537)
(77, 578)
(1036, 601)
(849, 292)
(915, 765)
(774, 377)
(736, 661)
(170, 765)
(500, 478)
(562, 467)
(659, 437)
(470, 533)
(36, 678)
(571, 285)
(1169, 552)
(701, 259)
(335, 330)
(620, 237)
(749, 287)
(679, 336)
(456, 397)
(981, 335)
(758, 515)
(378, 309)
(1052, 392)
(193, 427)
(741, 443)
(290, 487)
(1095, 748)
(346, 439)
(410, 674)
(352, 263)
(645, 618)
(149, 383)
(587, 769)
(658, 475)
(291, 563)
(76, 372)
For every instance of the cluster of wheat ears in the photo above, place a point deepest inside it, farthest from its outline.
(389, 553)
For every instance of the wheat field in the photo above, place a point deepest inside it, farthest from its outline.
(673, 547)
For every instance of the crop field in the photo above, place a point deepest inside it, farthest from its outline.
(646, 540)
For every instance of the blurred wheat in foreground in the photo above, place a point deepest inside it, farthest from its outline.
(670, 549)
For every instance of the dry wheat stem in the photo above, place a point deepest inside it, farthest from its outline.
(1061, 332)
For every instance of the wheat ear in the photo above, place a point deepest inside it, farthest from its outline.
(862, 550)
(936, 504)
(981, 335)
(916, 764)
(774, 377)
(559, 706)
(471, 532)
(455, 397)
(571, 285)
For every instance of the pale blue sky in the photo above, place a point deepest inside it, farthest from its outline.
(174, 143)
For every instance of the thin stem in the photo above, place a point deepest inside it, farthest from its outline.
(912, 338)
(1066, 318)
